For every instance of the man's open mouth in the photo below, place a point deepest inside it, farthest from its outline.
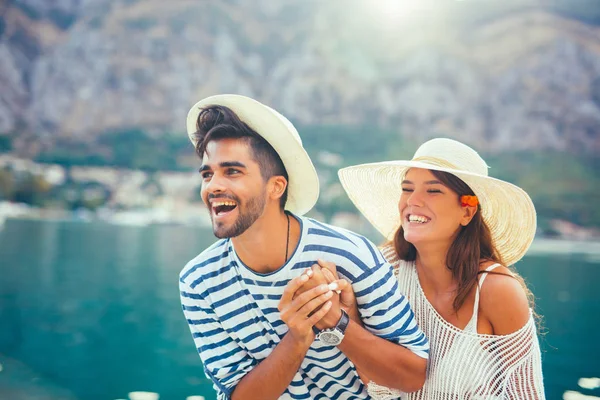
(223, 207)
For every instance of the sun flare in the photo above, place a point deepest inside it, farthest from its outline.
(396, 11)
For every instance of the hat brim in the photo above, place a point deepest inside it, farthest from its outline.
(303, 181)
(508, 211)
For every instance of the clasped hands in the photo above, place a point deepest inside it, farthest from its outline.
(315, 298)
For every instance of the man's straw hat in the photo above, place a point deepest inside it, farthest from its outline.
(303, 182)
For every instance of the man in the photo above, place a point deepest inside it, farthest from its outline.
(254, 326)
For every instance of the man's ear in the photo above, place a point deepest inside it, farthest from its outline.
(468, 214)
(277, 186)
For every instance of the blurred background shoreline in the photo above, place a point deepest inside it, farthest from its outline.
(140, 197)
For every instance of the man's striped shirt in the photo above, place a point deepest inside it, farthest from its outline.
(233, 316)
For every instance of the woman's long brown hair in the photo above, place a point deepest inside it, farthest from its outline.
(472, 246)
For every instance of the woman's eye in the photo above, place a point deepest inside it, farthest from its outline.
(434, 191)
(407, 190)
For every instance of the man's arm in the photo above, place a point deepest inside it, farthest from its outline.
(224, 361)
(279, 368)
(382, 361)
(270, 378)
(233, 371)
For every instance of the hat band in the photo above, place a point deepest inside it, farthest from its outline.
(438, 162)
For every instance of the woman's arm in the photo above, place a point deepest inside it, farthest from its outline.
(403, 368)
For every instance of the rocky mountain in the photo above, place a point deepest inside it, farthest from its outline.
(517, 76)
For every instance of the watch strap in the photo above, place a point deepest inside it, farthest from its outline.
(343, 322)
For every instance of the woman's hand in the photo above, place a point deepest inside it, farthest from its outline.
(347, 298)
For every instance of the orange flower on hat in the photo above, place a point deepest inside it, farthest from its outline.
(471, 201)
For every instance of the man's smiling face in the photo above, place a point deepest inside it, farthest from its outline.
(233, 188)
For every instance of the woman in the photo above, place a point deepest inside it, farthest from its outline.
(452, 233)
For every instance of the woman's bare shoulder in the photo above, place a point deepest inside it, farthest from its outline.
(503, 301)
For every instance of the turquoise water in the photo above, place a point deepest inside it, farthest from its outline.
(93, 310)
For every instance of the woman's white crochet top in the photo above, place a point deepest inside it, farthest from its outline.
(462, 363)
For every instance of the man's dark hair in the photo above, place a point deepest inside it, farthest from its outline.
(220, 122)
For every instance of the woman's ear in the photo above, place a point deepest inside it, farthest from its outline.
(468, 214)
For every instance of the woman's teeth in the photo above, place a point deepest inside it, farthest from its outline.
(418, 218)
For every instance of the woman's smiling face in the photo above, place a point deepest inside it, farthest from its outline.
(430, 211)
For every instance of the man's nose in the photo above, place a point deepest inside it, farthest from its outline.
(215, 185)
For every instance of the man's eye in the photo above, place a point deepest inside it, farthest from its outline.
(232, 171)
(206, 175)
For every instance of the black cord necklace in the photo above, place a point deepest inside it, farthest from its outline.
(287, 242)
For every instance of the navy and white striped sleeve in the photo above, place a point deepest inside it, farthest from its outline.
(384, 310)
(224, 361)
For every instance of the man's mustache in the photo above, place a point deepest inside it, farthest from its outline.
(223, 196)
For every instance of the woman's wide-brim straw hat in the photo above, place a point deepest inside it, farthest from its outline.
(303, 182)
(507, 210)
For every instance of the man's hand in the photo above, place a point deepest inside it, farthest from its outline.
(300, 313)
(316, 278)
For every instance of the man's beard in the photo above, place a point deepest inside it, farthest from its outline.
(246, 217)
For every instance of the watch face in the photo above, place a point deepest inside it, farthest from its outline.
(331, 338)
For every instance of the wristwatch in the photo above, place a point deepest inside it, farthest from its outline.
(334, 336)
